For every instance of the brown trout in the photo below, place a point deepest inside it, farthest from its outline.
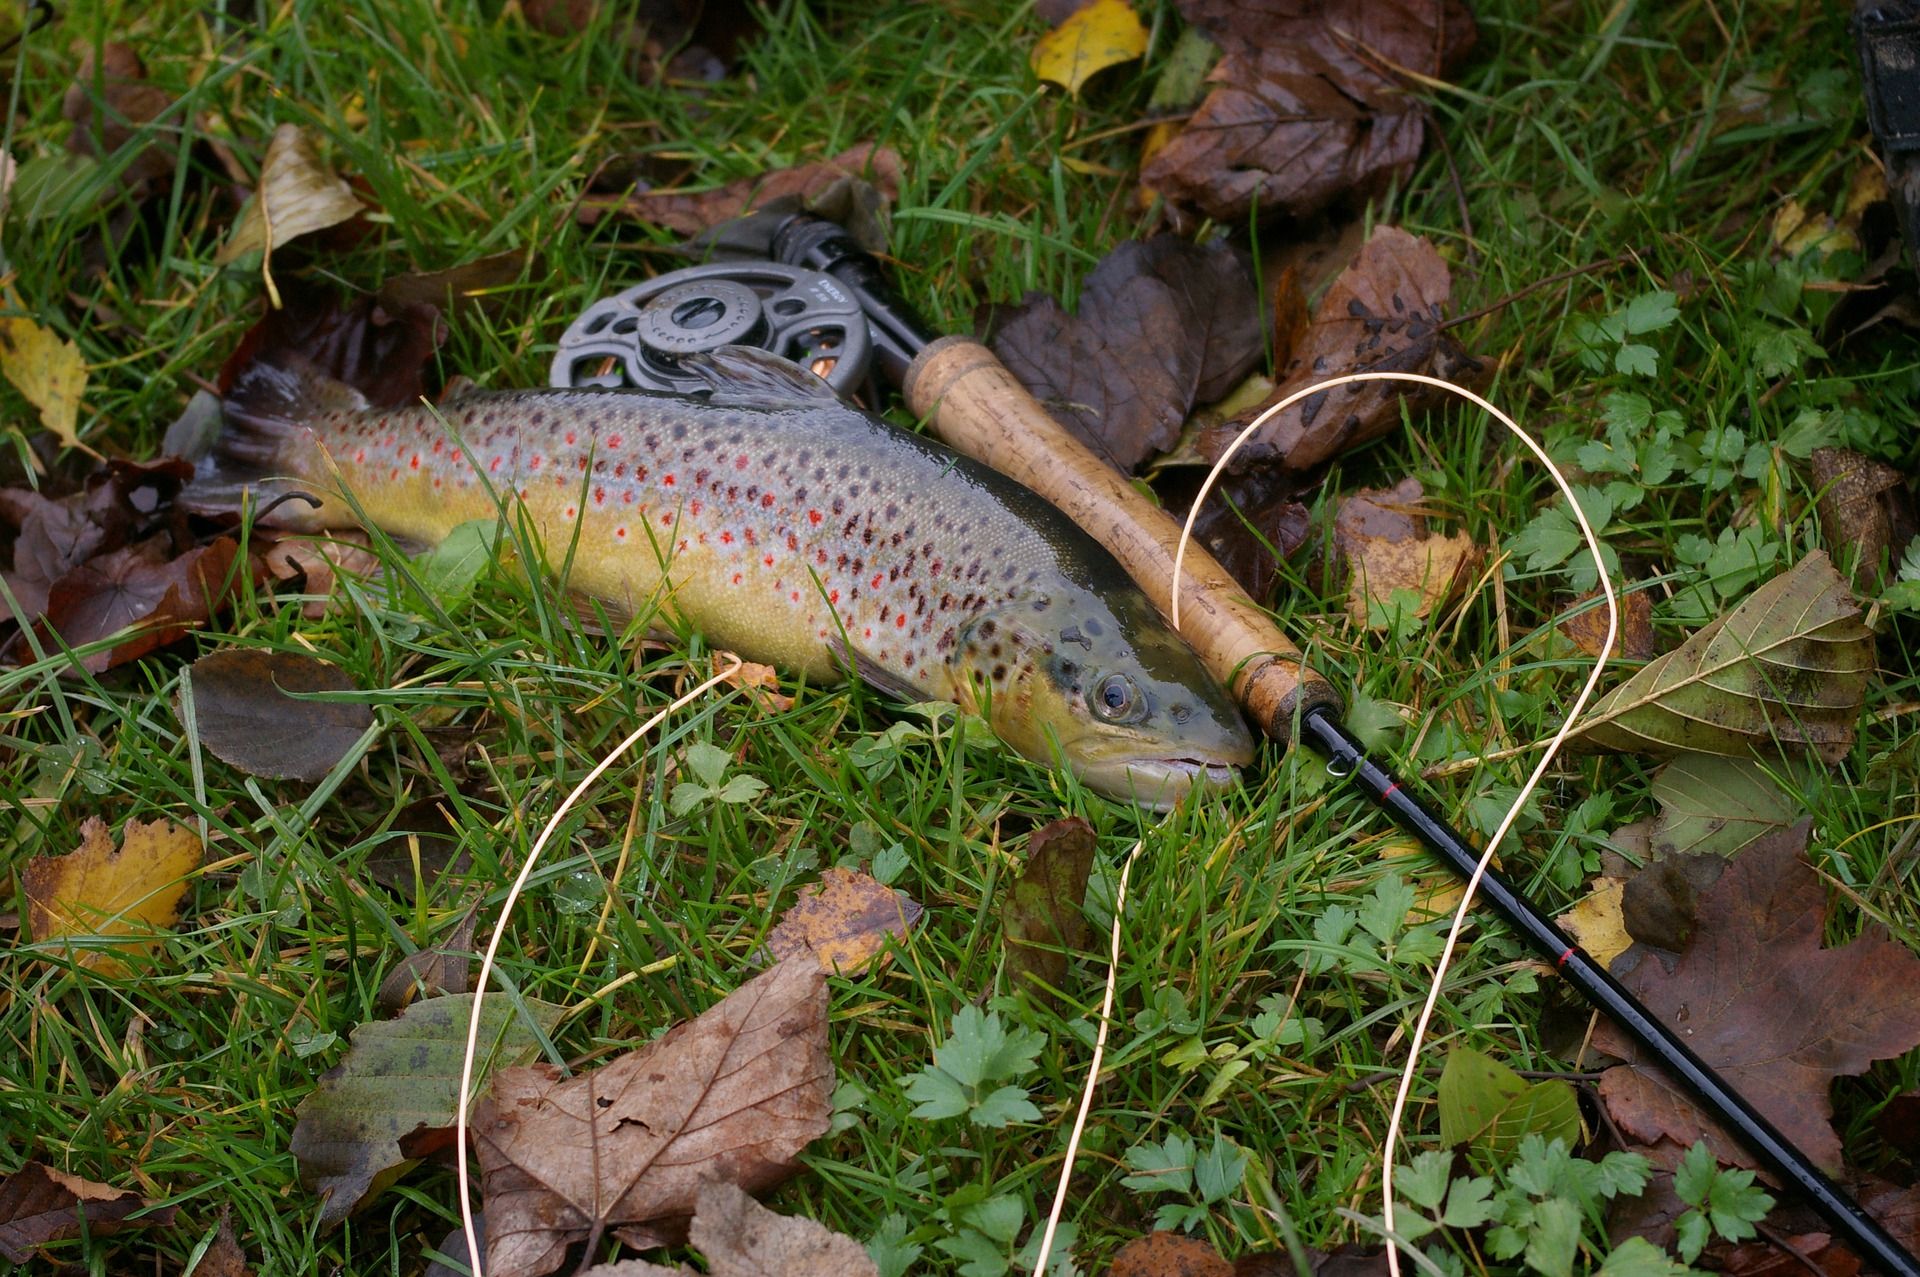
(784, 525)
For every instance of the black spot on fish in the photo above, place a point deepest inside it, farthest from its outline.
(1094, 628)
(999, 673)
(1072, 634)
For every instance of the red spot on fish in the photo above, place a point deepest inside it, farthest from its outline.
(571, 511)
(599, 496)
(360, 454)
(833, 596)
(694, 509)
(793, 542)
(571, 436)
(726, 538)
(436, 481)
(766, 502)
(879, 578)
(741, 462)
(752, 539)
(640, 472)
(415, 463)
(666, 520)
(437, 445)
(820, 557)
(493, 467)
(613, 441)
(627, 496)
(868, 633)
(813, 516)
(394, 473)
(537, 459)
(683, 543)
(620, 533)
(736, 578)
(668, 480)
(619, 469)
(795, 596)
(768, 560)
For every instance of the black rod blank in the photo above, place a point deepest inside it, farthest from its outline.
(1346, 756)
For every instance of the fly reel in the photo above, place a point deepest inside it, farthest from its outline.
(636, 339)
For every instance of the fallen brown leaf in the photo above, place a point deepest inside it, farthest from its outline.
(1382, 543)
(1866, 513)
(1382, 314)
(1635, 641)
(431, 973)
(251, 711)
(317, 561)
(383, 353)
(223, 1257)
(843, 922)
(1250, 523)
(690, 213)
(40, 1205)
(144, 591)
(1043, 913)
(132, 892)
(761, 683)
(1163, 324)
(1169, 1255)
(735, 1093)
(475, 285)
(1313, 104)
(741, 1238)
(1759, 1000)
(297, 195)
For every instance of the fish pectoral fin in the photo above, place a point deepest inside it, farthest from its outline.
(875, 675)
(746, 374)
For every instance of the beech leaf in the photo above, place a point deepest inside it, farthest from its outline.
(1757, 998)
(735, 1093)
(391, 1100)
(132, 892)
(297, 195)
(1787, 667)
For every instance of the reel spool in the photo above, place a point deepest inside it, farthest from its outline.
(636, 339)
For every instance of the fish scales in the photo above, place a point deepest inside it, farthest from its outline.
(782, 524)
(779, 531)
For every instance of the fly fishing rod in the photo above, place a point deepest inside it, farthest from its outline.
(804, 288)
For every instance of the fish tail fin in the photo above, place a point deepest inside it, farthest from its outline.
(264, 456)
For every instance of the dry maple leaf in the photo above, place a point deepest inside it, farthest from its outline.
(735, 1093)
(1759, 1000)
(133, 892)
(1382, 314)
(689, 213)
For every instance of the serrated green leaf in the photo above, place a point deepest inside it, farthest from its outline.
(741, 789)
(1788, 666)
(1424, 1180)
(1004, 1105)
(1219, 1171)
(686, 796)
(708, 761)
(1166, 1167)
(937, 1095)
(1650, 312)
(1547, 539)
(1636, 360)
(894, 1255)
(1553, 1239)
(1638, 1257)
(1469, 1202)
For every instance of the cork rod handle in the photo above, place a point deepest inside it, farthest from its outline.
(977, 407)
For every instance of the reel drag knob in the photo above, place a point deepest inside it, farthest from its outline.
(637, 338)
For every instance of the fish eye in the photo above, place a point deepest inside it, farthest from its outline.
(1117, 699)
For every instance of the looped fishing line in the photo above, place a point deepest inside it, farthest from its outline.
(464, 1095)
(1480, 868)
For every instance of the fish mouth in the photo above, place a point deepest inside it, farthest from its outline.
(1160, 784)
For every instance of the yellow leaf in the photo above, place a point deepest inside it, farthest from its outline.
(844, 921)
(1596, 922)
(45, 369)
(298, 194)
(1097, 36)
(96, 891)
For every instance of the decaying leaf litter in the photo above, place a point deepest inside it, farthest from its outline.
(1239, 1016)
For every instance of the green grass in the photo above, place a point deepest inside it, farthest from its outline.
(1674, 132)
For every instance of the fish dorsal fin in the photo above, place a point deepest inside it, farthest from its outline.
(750, 374)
